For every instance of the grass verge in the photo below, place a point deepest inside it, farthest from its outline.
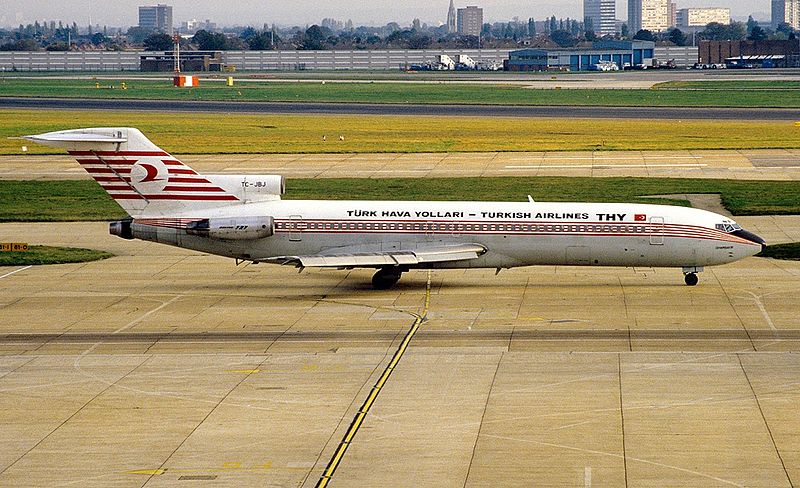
(789, 251)
(56, 201)
(85, 200)
(730, 85)
(253, 133)
(782, 96)
(51, 255)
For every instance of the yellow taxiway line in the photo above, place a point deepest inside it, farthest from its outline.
(358, 420)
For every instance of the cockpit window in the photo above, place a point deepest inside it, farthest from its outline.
(728, 227)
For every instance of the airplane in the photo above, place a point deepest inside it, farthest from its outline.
(243, 217)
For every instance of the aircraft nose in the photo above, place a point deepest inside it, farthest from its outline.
(744, 234)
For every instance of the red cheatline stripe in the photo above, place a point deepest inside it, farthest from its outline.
(118, 153)
(192, 188)
(187, 180)
(172, 162)
(176, 171)
(666, 230)
(497, 233)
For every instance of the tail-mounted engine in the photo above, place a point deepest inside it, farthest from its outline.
(238, 228)
(121, 228)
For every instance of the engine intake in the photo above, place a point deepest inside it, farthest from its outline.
(238, 228)
(121, 228)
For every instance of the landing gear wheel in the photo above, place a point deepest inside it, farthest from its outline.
(385, 278)
(690, 279)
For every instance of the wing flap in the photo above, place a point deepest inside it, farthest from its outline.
(378, 259)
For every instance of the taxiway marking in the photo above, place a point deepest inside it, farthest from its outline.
(605, 166)
(358, 420)
(16, 271)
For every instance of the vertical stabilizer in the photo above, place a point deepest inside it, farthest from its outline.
(144, 179)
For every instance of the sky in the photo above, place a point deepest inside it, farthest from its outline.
(122, 13)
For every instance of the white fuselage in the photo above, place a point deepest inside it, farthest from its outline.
(514, 234)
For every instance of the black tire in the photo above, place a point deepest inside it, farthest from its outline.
(385, 279)
(690, 279)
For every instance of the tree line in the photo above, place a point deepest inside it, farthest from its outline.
(331, 34)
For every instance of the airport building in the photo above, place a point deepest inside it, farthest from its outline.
(786, 12)
(621, 53)
(469, 21)
(652, 15)
(292, 60)
(766, 53)
(602, 14)
(156, 17)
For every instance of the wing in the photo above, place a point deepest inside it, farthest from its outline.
(421, 255)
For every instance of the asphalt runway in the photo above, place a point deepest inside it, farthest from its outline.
(676, 113)
(163, 365)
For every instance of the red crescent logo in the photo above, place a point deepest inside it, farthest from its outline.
(152, 172)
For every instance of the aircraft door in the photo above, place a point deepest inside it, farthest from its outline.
(657, 231)
(430, 230)
(455, 228)
(295, 228)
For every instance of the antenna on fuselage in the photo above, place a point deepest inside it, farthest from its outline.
(531, 200)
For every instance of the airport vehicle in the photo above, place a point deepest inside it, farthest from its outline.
(243, 217)
(604, 66)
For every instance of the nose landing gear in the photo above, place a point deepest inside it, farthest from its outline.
(385, 278)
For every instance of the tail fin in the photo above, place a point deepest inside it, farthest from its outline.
(140, 176)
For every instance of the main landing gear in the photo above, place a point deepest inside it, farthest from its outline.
(690, 274)
(385, 278)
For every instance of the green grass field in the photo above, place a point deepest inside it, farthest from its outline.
(393, 92)
(51, 255)
(85, 200)
(251, 133)
(52, 201)
(730, 85)
(782, 251)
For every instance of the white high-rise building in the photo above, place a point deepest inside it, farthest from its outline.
(469, 21)
(156, 17)
(700, 17)
(650, 15)
(786, 11)
(602, 14)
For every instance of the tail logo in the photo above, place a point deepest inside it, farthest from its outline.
(150, 176)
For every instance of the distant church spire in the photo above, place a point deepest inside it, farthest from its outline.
(451, 18)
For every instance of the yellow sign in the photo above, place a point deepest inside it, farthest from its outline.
(14, 247)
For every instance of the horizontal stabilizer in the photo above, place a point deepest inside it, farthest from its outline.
(378, 259)
(71, 137)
